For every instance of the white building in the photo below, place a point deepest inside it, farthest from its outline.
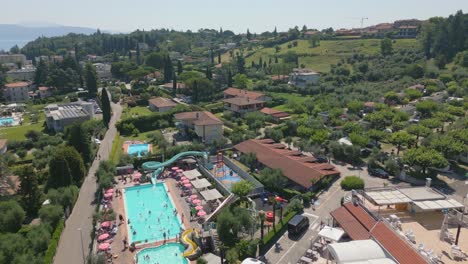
(60, 116)
(103, 70)
(16, 92)
(12, 58)
(303, 77)
(24, 74)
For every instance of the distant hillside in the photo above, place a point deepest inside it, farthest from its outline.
(11, 35)
(329, 52)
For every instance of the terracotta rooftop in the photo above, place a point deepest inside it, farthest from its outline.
(16, 85)
(276, 156)
(274, 112)
(200, 118)
(170, 85)
(350, 224)
(236, 92)
(242, 101)
(369, 104)
(43, 88)
(162, 102)
(361, 215)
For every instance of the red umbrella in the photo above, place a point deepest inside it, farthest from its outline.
(188, 185)
(199, 207)
(108, 195)
(201, 213)
(104, 246)
(175, 168)
(193, 196)
(103, 237)
(106, 224)
(196, 201)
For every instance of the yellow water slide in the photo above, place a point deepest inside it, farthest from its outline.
(192, 249)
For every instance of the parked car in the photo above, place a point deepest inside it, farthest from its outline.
(378, 173)
(297, 224)
(365, 152)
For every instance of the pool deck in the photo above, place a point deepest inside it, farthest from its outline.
(117, 249)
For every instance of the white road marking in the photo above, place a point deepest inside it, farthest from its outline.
(311, 215)
(314, 226)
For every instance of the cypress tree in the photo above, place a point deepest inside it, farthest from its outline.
(276, 59)
(269, 61)
(138, 54)
(180, 69)
(219, 57)
(106, 108)
(91, 80)
(167, 69)
(229, 79)
(264, 64)
(212, 56)
(260, 62)
(174, 83)
(79, 138)
(275, 33)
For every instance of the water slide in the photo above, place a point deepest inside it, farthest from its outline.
(158, 167)
(192, 246)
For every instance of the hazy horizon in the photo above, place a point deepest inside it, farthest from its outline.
(122, 16)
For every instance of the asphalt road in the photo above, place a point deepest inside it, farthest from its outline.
(74, 244)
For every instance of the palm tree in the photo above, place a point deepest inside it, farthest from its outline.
(273, 203)
(261, 217)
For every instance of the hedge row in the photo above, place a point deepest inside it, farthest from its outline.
(50, 254)
(273, 235)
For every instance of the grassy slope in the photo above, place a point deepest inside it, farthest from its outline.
(18, 132)
(329, 51)
(137, 110)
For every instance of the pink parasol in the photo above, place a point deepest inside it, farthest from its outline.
(175, 168)
(104, 246)
(103, 237)
(185, 181)
(197, 201)
(183, 178)
(106, 224)
(180, 171)
(108, 195)
(201, 213)
(188, 185)
(110, 190)
(193, 196)
(199, 207)
(136, 174)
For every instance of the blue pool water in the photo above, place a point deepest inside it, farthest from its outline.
(226, 175)
(168, 253)
(6, 121)
(145, 204)
(137, 149)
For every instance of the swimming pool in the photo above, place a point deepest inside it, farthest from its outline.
(168, 253)
(226, 175)
(4, 121)
(151, 213)
(137, 149)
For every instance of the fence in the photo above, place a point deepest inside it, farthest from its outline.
(258, 187)
(218, 184)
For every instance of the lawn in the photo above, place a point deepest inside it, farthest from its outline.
(289, 97)
(135, 111)
(18, 132)
(329, 52)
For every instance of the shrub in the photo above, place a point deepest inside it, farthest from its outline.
(274, 234)
(51, 214)
(50, 253)
(11, 216)
(352, 183)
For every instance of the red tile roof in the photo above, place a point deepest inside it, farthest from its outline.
(276, 156)
(350, 225)
(274, 113)
(43, 88)
(236, 92)
(241, 101)
(16, 85)
(200, 118)
(162, 102)
(396, 246)
(171, 85)
(361, 215)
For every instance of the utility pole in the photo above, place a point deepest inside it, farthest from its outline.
(362, 21)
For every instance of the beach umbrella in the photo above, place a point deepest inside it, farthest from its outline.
(110, 190)
(201, 213)
(193, 196)
(108, 195)
(103, 237)
(137, 174)
(183, 178)
(104, 246)
(185, 181)
(106, 224)
(196, 201)
(188, 185)
(175, 168)
(199, 207)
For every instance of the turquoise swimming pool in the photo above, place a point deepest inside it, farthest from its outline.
(6, 121)
(137, 149)
(168, 253)
(151, 213)
(226, 175)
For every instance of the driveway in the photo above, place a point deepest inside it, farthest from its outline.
(73, 245)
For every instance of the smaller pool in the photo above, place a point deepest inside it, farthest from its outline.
(138, 149)
(4, 121)
(226, 175)
(168, 253)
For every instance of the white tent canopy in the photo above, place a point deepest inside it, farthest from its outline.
(331, 233)
(438, 204)
(358, 251)
(210, 195)
(192, 174)
(201, 184)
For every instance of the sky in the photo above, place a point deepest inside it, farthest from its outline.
(239, 15)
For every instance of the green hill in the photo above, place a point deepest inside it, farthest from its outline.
(329, 52)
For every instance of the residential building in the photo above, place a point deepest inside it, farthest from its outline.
(3, 146)
(24, 74)
(161, 104)
(242, 105)
(12, 58)
(60, 116)
(232, 92)
(303, 171)
(276, 115)
(303, 77)
(170, 86)
(205, 125)
(103, 70)
(16, 92)
(44, 92)
(369, 107)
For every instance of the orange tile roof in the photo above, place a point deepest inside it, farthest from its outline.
(274, 112)
(241, 101)
(242, 93)
(295, 167)
(16, 85)
(162, 102)
(361, 215)
(200, 118)
(350, 224)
